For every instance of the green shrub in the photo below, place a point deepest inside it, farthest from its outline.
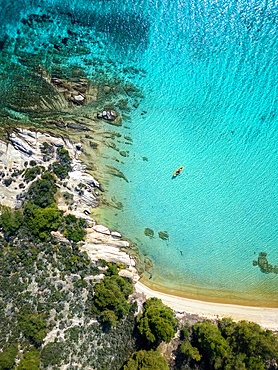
(111, 293)
(112, 269)
(74, 228)
(62, 167)
(7, 357)
(31, 173)
(189, 351)
(42, 191)
(52, 354)
(109, 318)
(30, 360)
(211, 344)
(157, 322)
(41, 221)
(60, 170)
(33, 326)
(146, 360)
(7, 182)
(10, 220)
(250, 342)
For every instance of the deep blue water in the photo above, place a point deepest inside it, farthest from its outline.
(208, 71)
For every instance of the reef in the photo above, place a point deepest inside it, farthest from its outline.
(264, 265)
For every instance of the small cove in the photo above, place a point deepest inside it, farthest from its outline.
(208, 75)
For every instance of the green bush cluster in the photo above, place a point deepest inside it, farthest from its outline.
(30, 360)
(110, 298)
(74, 228)
(31, 173)
(40, 214)
(34, 327)
(228, 346)
(42, 191)
(157, 322)
(146, 360)
(52, 353)
(10, 221)
(7, 357)
(41, 221)
(62, 167)
(47, 150)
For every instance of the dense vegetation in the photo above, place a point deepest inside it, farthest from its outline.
(157, 322)
(40, 215)
(58, 309)
(144, 360)
(49, 288)
(227, 345)
(110, 298)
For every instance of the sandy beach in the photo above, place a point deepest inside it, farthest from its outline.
(101, 243)
(266, 317)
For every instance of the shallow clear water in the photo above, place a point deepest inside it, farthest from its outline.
(211, 98)
(208, 71)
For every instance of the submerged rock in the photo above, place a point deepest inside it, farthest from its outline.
(264, 265)
(163, 235)
(149, 232)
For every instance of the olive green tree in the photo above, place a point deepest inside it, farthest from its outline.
(248, 341)
(41, 221)
(211, 344)
(7, 357)
(10, 220)
(110, 298)
(33, 326)
(192, 353)
(30, 360)
(157, 322)
(146, 360)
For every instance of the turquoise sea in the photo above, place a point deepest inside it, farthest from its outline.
(208, 71)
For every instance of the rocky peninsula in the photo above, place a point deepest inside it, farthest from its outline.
(78, 193)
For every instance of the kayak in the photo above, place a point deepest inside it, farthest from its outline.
(178, 171)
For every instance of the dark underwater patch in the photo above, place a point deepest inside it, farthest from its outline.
(121, 28)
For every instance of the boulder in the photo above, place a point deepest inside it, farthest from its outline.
(109, 115)
(102, 229)
(115, 234)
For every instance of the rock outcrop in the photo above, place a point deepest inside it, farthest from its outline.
(26, 149)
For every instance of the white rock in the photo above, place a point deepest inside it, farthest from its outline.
(115, 234)
(102, 229)
(78, 97)
(126, 273)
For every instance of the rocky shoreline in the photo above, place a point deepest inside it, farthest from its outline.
(78, 193)
(23, 150)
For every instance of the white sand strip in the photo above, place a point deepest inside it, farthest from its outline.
(265, 317)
